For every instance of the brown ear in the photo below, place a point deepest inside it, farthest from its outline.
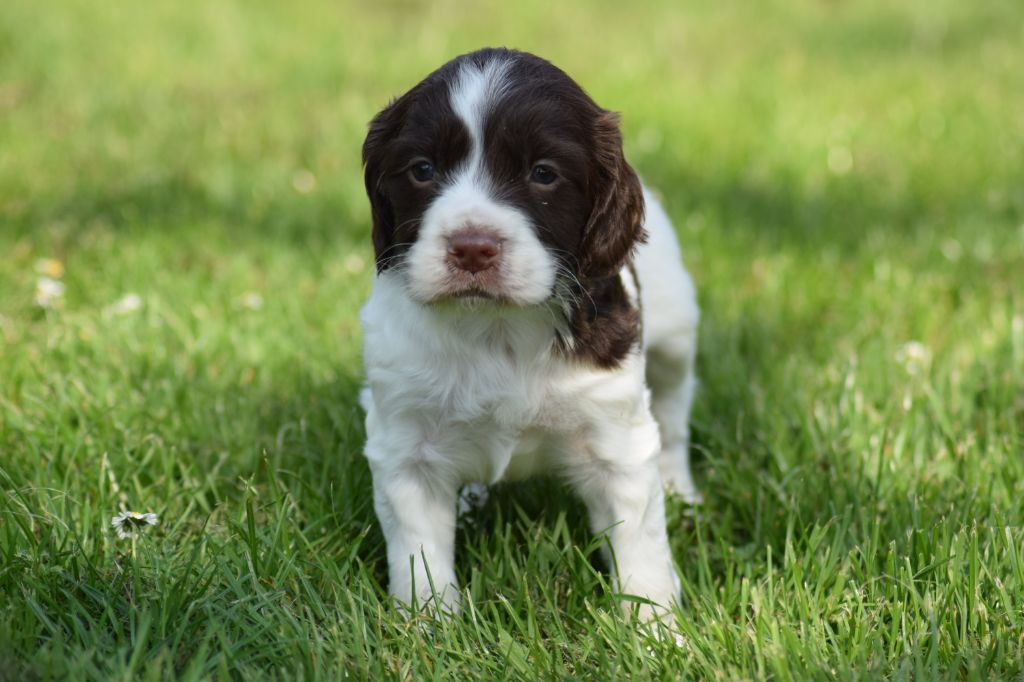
(617, 216)
(383, 128)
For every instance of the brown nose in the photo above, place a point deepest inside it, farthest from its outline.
(473, 250)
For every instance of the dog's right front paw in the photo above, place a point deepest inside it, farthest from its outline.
(443, 600)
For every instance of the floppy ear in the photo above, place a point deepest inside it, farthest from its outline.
(616, 220)
(383, 128)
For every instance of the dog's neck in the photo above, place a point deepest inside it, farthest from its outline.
(594, 322)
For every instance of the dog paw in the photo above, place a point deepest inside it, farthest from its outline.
(472, 498)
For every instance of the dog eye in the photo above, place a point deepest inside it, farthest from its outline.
(422, 171)
(543, 175)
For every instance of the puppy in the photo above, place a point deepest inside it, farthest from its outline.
(526, 317)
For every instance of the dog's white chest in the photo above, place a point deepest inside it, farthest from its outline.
(510, 427)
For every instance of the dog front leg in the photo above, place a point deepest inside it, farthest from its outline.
(416, 510)
(625, 500)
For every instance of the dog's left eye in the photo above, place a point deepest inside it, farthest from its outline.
(543, 174)
(423, 171)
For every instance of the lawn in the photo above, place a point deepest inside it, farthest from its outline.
(847, 180)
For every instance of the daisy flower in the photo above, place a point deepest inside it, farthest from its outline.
(127, 523)
(48, 292)
(251, 300)
(129, 303)
(914, 356)
(50, 267)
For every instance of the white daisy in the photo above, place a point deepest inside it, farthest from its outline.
(129, 303)
(51, 267)
(303, 181)
(354, 264)
(48, 292)
(251, 300)
(914, 356)
(128, 522)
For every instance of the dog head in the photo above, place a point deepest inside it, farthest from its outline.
(497, 177)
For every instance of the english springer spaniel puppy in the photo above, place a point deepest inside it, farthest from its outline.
(526, 317)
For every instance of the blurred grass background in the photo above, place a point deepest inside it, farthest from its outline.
(847, 179)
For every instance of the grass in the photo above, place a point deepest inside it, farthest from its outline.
(848, 184)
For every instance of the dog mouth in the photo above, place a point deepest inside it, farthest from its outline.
(493, 288)
(474, 296)
(480, 286)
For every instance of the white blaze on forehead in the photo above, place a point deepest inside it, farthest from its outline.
(472, 94)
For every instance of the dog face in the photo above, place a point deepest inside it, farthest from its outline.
(498, 178)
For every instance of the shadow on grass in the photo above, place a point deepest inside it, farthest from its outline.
(836, 215)
(179, 202)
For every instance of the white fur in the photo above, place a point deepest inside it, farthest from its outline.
(670, 319)
(478, 394)
(476, 89)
